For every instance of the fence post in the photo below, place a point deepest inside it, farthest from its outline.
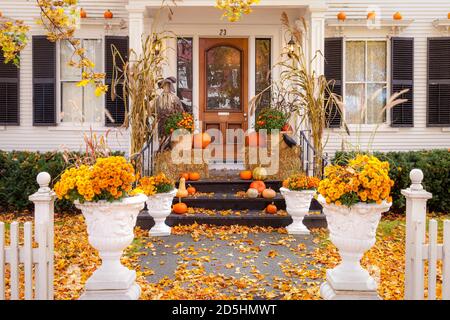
(416, 209)
(44, 200)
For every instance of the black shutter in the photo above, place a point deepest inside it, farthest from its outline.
(44, 81)
(438, 112)
(402, 77)
(115, 108)
(9, 93)
(333, 71)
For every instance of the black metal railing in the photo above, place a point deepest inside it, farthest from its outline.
(144, 160)
(308, 156)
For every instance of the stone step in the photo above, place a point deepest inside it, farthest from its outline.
(227, 201)
(229, 185)
(245, 218)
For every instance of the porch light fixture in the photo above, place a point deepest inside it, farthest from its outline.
(234, 9)
(291, 47)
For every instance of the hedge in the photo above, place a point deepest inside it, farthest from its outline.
(18, 171)
(435, 165)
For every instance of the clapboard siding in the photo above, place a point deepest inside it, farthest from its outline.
(26, 136)
(420, 136)
(391, 139)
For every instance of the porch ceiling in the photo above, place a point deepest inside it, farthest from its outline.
(151, 4)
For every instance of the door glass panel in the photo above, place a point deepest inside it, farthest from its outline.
(223, 78)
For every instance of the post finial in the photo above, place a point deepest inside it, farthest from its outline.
(43, 180)
(416, 176)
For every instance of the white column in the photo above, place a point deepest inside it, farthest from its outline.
(136, 27)
(317, 38)
(251, 77)
(196, 82)
(416, 210)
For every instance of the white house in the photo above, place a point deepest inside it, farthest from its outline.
(386, 55)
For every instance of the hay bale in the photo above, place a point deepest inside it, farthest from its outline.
(164, 163)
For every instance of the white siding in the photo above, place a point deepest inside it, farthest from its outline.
(423, 13)
(26, 136)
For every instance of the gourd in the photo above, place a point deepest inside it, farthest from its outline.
(180, 207)
(201, 140)
(371, 15)
(83, 13)
(182, 192)
(341, 16)
(252, 193)
(245, 175)
(259, 173)
(191, 190)
(258, 185)
(194, 176)
(271, 208)
(269, 193)
(108, 14)
(398, 16)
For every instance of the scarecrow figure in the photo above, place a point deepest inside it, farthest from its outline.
(167, 103)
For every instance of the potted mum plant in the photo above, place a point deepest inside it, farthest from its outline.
(102, 192)
(160, 191)
(353, 197)
(298, 191)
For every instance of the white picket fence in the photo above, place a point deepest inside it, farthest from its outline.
(36, 264)
(418, 250)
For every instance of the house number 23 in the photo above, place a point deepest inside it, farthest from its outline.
(223, 32)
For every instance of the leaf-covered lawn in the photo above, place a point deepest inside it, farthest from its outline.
(196, 268)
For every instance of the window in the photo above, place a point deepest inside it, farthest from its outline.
(438, 111)
(365, 81)
(79, 104)
(184, 72)
(262, 71)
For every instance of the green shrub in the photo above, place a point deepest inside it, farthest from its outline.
(435, 165)
(18, 171)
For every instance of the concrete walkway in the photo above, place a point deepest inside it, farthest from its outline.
(265, 265)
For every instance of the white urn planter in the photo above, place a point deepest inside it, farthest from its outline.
(353, 232)
(110, 227)
(159, 207)
(297, 206)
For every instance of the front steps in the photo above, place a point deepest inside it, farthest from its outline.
(221, 201)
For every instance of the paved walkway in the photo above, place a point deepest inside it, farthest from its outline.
(265, 265)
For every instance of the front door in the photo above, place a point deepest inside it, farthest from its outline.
(224, 88)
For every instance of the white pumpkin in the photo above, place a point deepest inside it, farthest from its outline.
(252, 193)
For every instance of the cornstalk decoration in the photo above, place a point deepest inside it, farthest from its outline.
(139, 77)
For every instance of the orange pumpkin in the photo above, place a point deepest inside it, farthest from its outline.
(245, 175)
(254, 139)
(83, 13)
(180, 207)
(269, 193)
(371, 15)
(341, 16)
(184, 175)
(271, 208)
(201, 140)
(1, 14)
(191, 190)
(286, 127)
(108, 14)
(194, 176)
(448, 15)
(258, 185)
(398, 16)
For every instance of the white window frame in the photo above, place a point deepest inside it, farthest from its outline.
(365, 125)
(61, 125)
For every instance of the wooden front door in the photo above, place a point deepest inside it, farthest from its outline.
(223, 87)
